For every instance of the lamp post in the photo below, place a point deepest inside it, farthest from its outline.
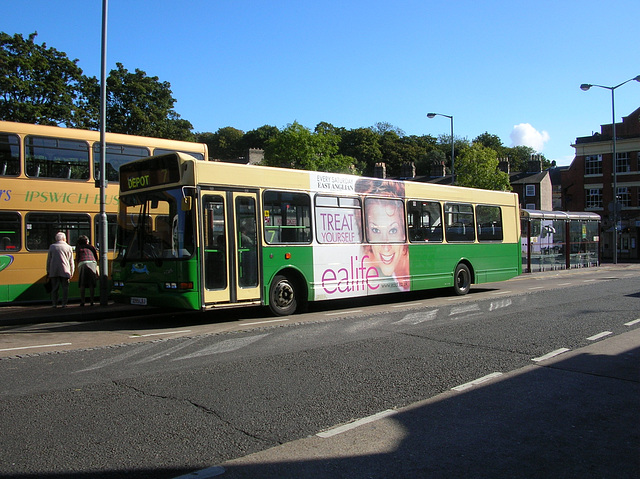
(432, 115)
(585, 87)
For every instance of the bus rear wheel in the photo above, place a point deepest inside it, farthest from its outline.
(461, 280)
(283, 297)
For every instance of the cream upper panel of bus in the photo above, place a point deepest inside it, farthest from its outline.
(24, 129)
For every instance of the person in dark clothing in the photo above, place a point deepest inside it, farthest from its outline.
(87, 259)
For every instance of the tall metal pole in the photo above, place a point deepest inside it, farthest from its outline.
(615, 180)
(453, 174)
(585, 87)
(104, 242)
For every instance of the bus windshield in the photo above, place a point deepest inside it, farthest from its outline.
(153, 225)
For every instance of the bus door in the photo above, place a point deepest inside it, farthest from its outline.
(230, 247)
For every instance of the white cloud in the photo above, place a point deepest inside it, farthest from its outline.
(526, 135)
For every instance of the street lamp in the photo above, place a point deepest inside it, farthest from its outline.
(432, 115)
(585, 87)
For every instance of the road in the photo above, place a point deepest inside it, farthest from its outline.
(534, 377)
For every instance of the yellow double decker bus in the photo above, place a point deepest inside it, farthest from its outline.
(48, 184)
(201, 235)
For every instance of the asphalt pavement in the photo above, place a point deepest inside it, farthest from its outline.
(574, 415)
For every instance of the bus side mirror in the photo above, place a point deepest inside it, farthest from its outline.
(187, 203)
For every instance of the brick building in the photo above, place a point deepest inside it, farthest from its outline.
(588, 183)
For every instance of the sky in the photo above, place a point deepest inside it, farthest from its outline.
(509, 68)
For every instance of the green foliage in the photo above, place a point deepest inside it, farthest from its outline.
(298, 147)
(477, 167)
(141, 105)
(38, 84)
(225, 144)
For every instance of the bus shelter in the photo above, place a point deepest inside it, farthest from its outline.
(553, 240)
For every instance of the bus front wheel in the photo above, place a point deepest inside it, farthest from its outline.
(283, 297)
(461, 280)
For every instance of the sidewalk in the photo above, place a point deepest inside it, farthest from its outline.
(575, 415)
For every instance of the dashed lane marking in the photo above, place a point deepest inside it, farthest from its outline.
(37, 346)
(550, 355)
(352, 425)
(601, 335)
(477, 382)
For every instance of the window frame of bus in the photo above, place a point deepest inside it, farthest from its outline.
(52, 161)
(431, 237)
(15, 240)
(164, 151)
(112, 153)
(148, 172)
(278, 229)
(464, 237)
(9, 163)
(68, 223)
(339, 203)
(489, 237)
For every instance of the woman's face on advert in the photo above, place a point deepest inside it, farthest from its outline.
(385, 229)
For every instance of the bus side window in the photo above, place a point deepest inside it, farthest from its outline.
(287, 217)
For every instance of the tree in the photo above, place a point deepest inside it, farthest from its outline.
(297, 147)
(259, 137)
(141, 105)
(362, 144)
(477, 167)
(225, 144)
(39, 84)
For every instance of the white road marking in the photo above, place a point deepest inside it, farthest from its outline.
(265, 322)
(631, 323)
(38, 346)
(352, 425)
(537, 287)
(551, 354)
(599, 335)
(417, 318)
(343, 312)
(159, 334)
(503, 303)
(467, 308)
(476, 382)
(224, 347)
(502, 292)
(564, 284)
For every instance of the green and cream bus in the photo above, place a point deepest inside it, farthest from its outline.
(201, 235)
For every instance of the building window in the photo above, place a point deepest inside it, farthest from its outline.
(530, 190)
(593, 198)
(622, 162)
(593, 165)
(623, 194)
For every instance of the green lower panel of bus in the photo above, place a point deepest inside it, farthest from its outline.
(432, 266)
(159, 283)
(293, 261)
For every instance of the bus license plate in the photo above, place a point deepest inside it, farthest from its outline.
(139, 301)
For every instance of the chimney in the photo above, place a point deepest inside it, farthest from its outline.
(503, 165)
(408, 170)
(535, 164)
(438, 169)
(380, 170)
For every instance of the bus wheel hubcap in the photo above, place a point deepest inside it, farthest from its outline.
(284, 294)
